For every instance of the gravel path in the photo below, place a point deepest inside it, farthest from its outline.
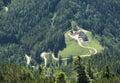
(43, 54)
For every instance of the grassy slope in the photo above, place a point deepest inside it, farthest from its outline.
(93, 42)
(74, 49)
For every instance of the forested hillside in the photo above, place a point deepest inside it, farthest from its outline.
(28, 27)
(102, 17)
(34, 26)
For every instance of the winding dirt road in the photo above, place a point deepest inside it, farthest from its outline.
(43, 54)
(80, 44)
(28, 59)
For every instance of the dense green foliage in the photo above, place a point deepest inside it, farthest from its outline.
(12, 73)
(81, 77)
(60, 78)
(29, 27)
(33, 26)
(102, 18)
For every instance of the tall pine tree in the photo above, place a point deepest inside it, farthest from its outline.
(81, 74)
(60, 78)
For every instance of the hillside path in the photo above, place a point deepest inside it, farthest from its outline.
(80, 44)
(43, 54)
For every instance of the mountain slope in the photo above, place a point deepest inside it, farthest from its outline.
(28, 26)
(34, 26)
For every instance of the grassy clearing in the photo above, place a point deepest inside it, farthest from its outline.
(93, 42)
(72, 48)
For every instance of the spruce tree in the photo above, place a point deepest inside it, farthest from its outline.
(107, 74)
(81, 74)
(60, 78)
